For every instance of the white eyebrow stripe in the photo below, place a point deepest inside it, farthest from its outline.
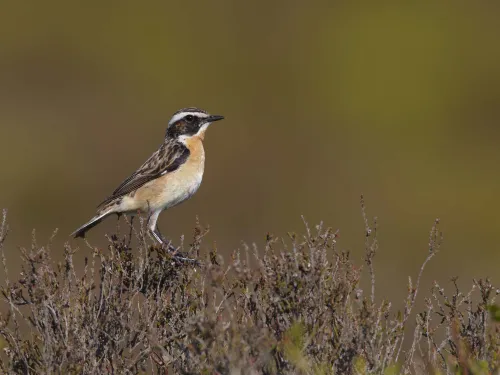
(180, 115)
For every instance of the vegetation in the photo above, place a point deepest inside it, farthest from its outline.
(292, 307)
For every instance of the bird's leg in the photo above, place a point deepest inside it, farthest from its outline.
(153, 217)
(175, 254)
(171, 247)
(157, 236)
(155, 232)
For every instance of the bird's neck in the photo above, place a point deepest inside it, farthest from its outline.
(195, 146)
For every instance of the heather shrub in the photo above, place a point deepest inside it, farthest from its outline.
(294, 306)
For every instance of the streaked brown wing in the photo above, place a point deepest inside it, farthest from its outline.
(169, 157)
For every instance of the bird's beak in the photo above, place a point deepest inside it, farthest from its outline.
(213, 118)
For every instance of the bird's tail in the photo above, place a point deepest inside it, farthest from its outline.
(80, 232)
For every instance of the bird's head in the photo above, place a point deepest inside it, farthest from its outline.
(190, 122)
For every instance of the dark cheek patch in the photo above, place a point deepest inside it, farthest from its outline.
(181, 128)
(184, 128)
(188, 129)
(192, 129)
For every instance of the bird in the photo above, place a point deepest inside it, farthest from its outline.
(170, 176)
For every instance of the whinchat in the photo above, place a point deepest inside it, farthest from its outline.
(170, 176)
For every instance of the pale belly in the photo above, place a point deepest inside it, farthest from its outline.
(163, 193)
(177, 190)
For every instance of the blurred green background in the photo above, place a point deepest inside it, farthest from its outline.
(323, 101)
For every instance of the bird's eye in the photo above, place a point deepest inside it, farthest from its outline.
(189, 118)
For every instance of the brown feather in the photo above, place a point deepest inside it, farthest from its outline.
(168, 158)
